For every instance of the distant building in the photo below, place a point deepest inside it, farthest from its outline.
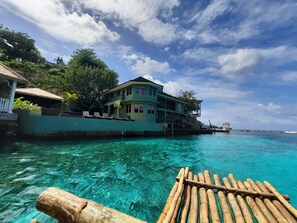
(226, 125)
(143, 100)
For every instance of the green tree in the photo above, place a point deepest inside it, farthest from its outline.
(17, 45)
(193, 104)
(86, 58)
(88, 77)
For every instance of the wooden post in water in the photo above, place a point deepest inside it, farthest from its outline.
(69, 208)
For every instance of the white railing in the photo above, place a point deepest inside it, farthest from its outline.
(4, 104)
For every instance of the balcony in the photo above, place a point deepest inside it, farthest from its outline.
(4, 104)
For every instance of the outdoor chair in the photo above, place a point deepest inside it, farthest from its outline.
(86, 114)
(97, 115)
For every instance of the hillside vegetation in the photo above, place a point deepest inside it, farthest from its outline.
(85, 76)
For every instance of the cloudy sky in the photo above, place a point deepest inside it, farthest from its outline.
(239, 56)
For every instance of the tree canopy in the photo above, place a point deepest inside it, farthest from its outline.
(88, 77)
(189, 97)
(17, 45)
(86, 58)
(85, 76)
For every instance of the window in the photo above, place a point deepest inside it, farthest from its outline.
(179, 107)
(128, 108)
(153, 92)
(140, 90)
(129, 91)
(138, 108)
(118, 93)
(151, 109)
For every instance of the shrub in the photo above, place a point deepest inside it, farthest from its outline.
(20, 104)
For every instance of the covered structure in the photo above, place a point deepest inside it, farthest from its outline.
(8, 82)
(226, 125)
(51, 104)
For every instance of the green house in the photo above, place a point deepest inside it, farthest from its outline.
(144, 101)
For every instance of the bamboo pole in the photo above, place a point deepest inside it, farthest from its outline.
(235, 207)
(223, 201)
(244, 209)
(186, 206)
(174, 202)
(177, 206)
(193, 215)
(69, 208)
(214, 212)
(230, 190)
(281, 199)
(169, 199)
(203, 201)
(278, 205)
(278, 216)
(290, 218)
(253, 206)
(262, 206)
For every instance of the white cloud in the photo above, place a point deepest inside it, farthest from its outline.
(147, 18)
(143, 65)
(170, 87)
(253, 18)
(147, 65)
(250, 60)
(289, 77)
(53, 17)
(211, 12)
(271, 107)
(242, 61)
(200, 54)
(130, 57)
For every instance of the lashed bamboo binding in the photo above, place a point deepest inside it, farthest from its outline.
(195, 198)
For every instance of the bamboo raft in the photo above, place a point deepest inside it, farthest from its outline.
(195, 198)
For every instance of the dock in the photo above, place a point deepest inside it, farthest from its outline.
(202, 198)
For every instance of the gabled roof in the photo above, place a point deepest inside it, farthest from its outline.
(10, 74)
(38, 93)
(137, 80)
(142, 79)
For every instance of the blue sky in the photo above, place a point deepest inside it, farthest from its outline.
(240, 57)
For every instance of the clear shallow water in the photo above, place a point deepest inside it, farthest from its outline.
(135, 175)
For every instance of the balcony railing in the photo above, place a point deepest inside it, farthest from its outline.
(4, 104)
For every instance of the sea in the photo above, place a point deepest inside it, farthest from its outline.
(135, 175)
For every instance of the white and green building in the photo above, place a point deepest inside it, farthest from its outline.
(145, 101)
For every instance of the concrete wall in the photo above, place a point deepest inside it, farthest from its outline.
(44, 125)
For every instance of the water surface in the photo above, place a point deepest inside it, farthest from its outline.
(135, 175)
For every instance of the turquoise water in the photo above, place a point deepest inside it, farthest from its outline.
(135, 175)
